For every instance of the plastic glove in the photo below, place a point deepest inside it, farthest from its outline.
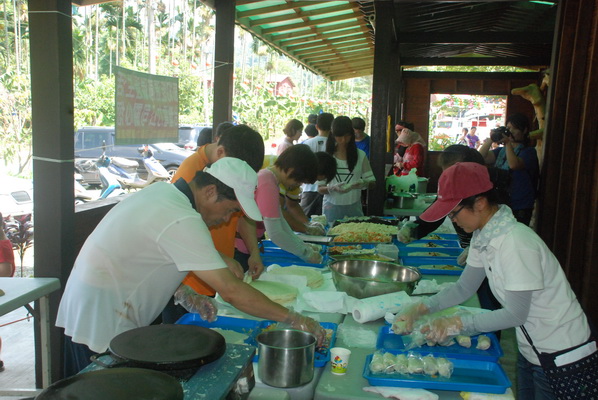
(407, 232)
(360, 184)
(315, 229)
(315, 247)
(462, 259)
(196, 303)
(407, 315)
(303, 323)
(311, 255)
(443, 329)
(339, 187)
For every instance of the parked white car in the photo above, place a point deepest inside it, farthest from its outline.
(16, 196)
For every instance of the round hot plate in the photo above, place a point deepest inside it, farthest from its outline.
(115, 384)
(169, 346)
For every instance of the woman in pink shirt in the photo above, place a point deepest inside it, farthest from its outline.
(295, 166)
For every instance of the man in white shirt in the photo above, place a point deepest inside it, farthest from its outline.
(137, 256)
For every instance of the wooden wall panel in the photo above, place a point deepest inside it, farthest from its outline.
(569, 191)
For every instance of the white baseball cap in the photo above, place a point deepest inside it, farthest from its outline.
(238, 175)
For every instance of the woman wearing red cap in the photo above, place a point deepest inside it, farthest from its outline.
(524, 275)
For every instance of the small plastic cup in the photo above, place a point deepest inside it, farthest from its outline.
(339, 359)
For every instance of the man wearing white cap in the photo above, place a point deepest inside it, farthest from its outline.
(137, 256)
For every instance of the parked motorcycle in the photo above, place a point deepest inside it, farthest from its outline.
(155, 172)
(81, 193)
(110, 176)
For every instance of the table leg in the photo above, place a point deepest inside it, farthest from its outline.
(44, 319)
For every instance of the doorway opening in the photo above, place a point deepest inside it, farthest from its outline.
(451, 113)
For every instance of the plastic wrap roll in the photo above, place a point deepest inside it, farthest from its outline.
(373, 308)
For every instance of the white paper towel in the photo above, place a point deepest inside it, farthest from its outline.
(373, 308)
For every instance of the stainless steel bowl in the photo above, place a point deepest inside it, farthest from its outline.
(365, 278)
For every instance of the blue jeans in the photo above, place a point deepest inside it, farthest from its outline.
(532, 383)
(76, 357)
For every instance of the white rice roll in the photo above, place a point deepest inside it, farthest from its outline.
(484, 342)
(377, 364)
(402, 364)
(415, 365)
(445, 367)
(449, 342)
(464, 341)
(389, 361)
(430, 365)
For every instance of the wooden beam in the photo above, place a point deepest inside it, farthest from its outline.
(514, 61)
(476, 37)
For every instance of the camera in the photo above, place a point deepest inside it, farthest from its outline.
(496, 134)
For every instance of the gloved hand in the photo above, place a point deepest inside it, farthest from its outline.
(407, 315)
(315, 229)
(462, 259)
(196, 303)
(407, 232)
(311, 255)
(443, 329)
(360, 184)
(303, 323)
(339, 187)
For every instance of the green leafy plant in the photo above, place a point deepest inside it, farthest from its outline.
(19, 230)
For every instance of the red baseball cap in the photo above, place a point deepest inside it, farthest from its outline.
(456, 183)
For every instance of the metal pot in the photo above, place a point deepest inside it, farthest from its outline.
(404, 199)
(286, 357)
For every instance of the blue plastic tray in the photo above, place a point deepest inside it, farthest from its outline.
(393, 343)
(293, 260)
(252, 328)
(419, 261)
(440, 243)
(443, 236)
(299, 264)
(468, 375)
(450, 251)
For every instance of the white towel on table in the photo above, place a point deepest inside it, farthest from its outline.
(402, 393)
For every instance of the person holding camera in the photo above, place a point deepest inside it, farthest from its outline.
(520, 159)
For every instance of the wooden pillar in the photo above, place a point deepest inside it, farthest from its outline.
(52, 117)
(384, 69)
(224, 57)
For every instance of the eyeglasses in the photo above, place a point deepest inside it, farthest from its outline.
(453, 215)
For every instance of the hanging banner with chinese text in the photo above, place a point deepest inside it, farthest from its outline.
(147, 107)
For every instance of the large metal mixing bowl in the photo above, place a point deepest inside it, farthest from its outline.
(366, 278)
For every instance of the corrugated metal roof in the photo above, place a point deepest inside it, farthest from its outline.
(335, 39)
(331, 38)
